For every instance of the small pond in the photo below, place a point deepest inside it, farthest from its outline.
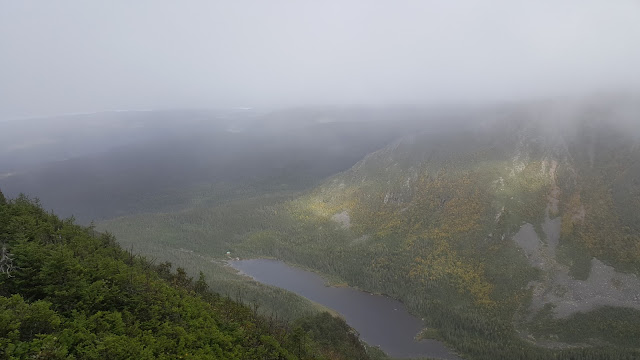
(380, 320)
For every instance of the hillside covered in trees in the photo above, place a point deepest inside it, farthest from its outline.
(68, 292)
(513, 237)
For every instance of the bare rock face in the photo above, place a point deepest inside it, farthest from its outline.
(604, 287)
(343, 219)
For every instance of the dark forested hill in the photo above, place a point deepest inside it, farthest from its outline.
(146, 161)
(67, 292)
(512, 231)
(515, 236)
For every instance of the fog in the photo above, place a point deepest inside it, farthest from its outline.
(476, 162)
(78, 56)
(258, 97)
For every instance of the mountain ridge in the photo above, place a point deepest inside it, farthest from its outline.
(487, 231)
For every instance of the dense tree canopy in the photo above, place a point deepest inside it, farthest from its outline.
(67, 292)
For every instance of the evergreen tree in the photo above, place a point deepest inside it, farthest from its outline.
(201, 284)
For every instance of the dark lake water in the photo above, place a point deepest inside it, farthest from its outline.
(380, 320)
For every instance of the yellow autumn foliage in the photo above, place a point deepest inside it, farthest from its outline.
(443, 263)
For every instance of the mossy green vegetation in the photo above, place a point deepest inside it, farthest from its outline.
(68, 292)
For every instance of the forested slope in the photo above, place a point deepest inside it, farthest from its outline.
(67, 292)
(513, 237)
(520, 227)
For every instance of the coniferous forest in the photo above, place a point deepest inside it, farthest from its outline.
(68, 292)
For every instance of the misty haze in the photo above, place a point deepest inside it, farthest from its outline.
(320, 180)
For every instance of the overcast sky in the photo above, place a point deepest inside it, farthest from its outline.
(78, 56)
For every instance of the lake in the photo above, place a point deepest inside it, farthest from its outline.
(380, 320)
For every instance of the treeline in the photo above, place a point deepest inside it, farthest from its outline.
(68, 292)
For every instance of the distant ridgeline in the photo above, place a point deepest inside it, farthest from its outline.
(68, 292)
